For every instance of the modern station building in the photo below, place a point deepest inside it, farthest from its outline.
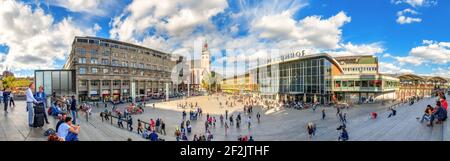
(362, 82)
(323, 78)
(297, 77)
(115, 70)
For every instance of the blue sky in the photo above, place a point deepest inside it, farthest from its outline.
(408, 36)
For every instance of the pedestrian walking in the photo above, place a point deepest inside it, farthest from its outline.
(163, 128)
(226, 128)
(258, 116)
(249, 121)
(6, 95)
(11, 100)
(323, 114)
(221, 120)
(130, 123)
(140, 127)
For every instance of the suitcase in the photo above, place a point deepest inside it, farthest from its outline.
(39, 109)
(38, 120)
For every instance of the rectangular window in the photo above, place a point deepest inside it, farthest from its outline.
(365, 84)
(82, 40)
(83, 82)
(116, 83)
(94, 42)
(94, 52)
(337, 84)
(105, 61)
(106, 52)
(344, 84)
(141, 65)
(350, 83)
(357, 83)
(105, 83)
(125, 64)
(94, 61)
(94, 70)
(82, 70)
(115, 63)
(95, 82)
(81, 51)
(105, 70)
(82, 60)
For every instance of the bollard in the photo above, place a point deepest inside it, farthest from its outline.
(110, 117)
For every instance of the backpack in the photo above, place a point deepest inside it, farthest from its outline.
(49, 132)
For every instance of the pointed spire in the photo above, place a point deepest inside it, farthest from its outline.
(205, 45)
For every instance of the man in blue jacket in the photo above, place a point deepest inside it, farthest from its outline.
(6, 95)
(41, 96)
(73, 109)
(153, 136)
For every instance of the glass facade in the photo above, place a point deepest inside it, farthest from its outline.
(62, 81)
(296, 78)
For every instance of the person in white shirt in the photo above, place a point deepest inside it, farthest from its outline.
(30, 101)
(1, 96)
(11, 100)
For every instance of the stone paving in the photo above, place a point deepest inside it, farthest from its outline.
(276, 125)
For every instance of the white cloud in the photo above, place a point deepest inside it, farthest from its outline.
(407, 20)
(437, 52)
(403, 19)
(92, 7)
(175, 18)
(443, 72)
(97, 27)
(390, 68)
(407, 11)
(312, 31)
(416, 61)
(363, 49)
(33, 38)
(416, 3)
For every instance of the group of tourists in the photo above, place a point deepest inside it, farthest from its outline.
(438, 112)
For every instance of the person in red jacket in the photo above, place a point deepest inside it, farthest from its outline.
(444, 102)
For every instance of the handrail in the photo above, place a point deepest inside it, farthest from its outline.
(124, 119)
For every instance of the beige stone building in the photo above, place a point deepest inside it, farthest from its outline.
(111, 70)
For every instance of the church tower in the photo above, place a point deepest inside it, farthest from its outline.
(205, 63)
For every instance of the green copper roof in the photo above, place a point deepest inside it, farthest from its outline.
(367, 60)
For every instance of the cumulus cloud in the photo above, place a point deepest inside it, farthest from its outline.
(92, 7)
(311, 31)
(441, 71)
(390, 68)
(416, 61)
(363, 49)
(175, 18)
(33, 38)
(415, 3)
(437, 52)
(403, 18)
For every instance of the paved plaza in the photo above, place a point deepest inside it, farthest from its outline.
(276, 125)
